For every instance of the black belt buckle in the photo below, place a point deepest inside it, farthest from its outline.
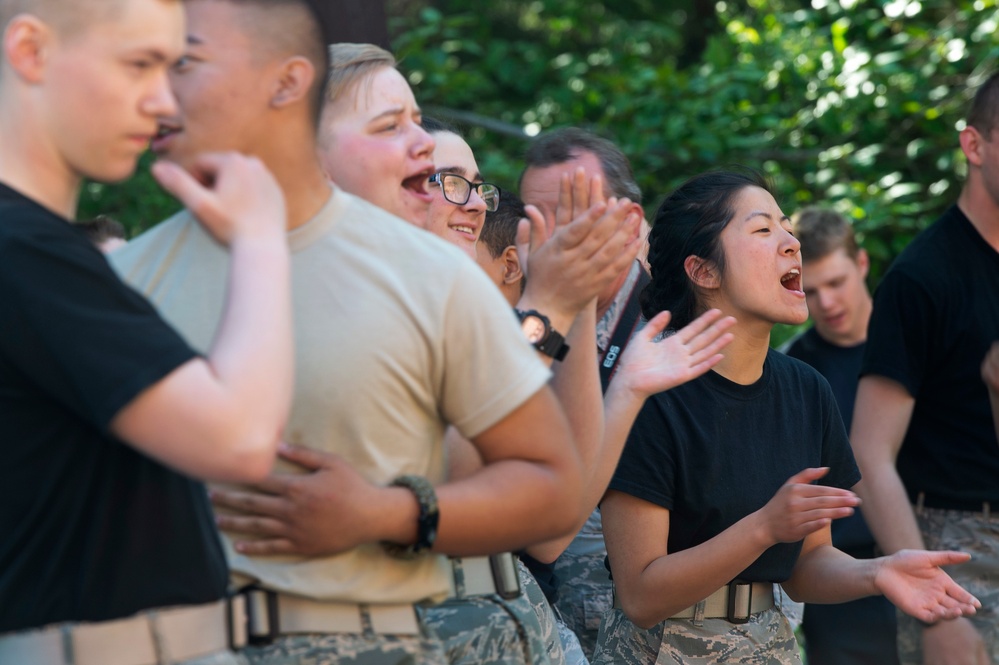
(734, 589)
(262, 621)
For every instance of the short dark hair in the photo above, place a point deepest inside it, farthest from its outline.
(689, 222)
(822, 231)
(984, 111)
(561, 145)
(500, 228)
(101, 228)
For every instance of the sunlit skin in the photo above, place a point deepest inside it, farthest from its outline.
(837, 296)
(459, 225)
(540, 187)
(371, 144)
(761, 282)
(222, 94)
(115, 71)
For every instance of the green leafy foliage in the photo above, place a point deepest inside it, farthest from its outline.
(854, 104)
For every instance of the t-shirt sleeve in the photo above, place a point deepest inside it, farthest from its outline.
(490, 369)
(647, 469)
(75, 331)
(901, 332)
(836, 451)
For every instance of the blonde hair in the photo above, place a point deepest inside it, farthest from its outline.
(352, 63)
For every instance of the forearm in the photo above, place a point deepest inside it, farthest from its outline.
(994, 400)
(887, 510)
(252, 354)
(621, 407)
(827, 575)
(676, 581)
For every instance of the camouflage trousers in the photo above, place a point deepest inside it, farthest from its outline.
(560, 642)
(487, 629)
(967, 532)
(585, 589)
(349, 649)
(766, 639)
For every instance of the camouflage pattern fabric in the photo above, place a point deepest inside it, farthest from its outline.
(487, 629)
(546, 617)
(765, 640)
(967, 532)
(585, 590)
(223, 658)
(349, 649)
(571, 649)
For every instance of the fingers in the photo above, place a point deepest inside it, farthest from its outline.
(947, 558)
(656, 325)
(807, 476)
(596, 191)
(310, 459)
(249, 503)
(270, 546)
(250, 526)
(180, 184)
(564, 213)
(580, 192)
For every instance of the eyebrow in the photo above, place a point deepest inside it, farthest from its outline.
(760, 213)
(195, 40)
(460, 170)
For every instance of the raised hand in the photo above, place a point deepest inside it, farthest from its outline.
(914, 582)
(800, 508)
(651, 365)
(232, 195)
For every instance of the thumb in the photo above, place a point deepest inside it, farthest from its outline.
(807, 476)
(947, 558)
(308, 458)
(178, 182)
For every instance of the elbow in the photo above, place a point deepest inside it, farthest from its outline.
(247, 454)
(641, 616)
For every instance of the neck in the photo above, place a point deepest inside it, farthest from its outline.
(743, 358)
(980, 208)
(306, 188)
(36, 170)
(605, 299)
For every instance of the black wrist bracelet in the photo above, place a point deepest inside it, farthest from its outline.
(426, 523)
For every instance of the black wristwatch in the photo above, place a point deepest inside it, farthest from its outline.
(539, 332)
(426, 524)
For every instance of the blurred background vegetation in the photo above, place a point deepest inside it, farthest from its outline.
(854, 104)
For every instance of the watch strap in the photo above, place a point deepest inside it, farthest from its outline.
(426, 524)
(552, 344)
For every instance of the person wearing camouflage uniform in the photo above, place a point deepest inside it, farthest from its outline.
(923, 430)
(714, 498)
(585, 591)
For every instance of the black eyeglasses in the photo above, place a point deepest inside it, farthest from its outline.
(458, 190)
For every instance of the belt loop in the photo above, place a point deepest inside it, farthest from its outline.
(735, 614)
(68, 653)
(458, 573)
(261, 604)
(159, 644)
(698, 619)
(367, 629)
(920, 500)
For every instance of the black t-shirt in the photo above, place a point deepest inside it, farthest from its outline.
(89, 528)
(840, 365)
(936, 313)
(712, 451)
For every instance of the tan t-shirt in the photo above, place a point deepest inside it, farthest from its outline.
(397, 335)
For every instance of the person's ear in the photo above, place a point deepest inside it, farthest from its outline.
(512, 271)
(26, 43)
(863, 262)
(971, 145)
(702, 272)
(294, 81)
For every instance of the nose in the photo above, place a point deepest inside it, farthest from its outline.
(475, 201)
(825, 299)
(792, 245)
(423, 143)
(160, 101)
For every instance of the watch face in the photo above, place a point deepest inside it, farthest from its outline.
(534, 329)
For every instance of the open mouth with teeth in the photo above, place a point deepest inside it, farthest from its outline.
(463, 229)
(792, 280)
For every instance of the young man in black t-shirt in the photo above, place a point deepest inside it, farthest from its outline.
(834, 268)
(923, 430)
(105, 410)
